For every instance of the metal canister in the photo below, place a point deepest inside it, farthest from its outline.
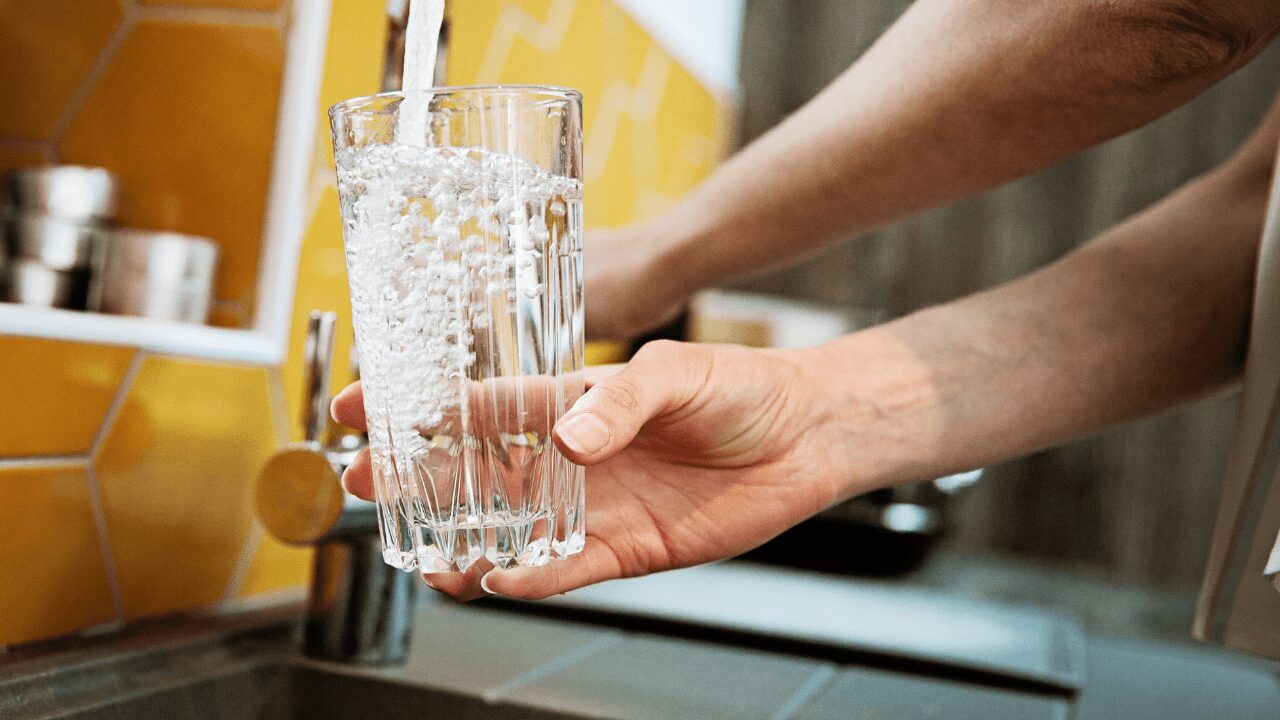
(51, 231)
(31, 283)
(55, 242)
(50, 259)
(72, 192)
(163, 275)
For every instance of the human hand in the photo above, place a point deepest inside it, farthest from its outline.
(695, 452)
(628, 291)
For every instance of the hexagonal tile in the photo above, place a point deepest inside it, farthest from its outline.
(196, 160)
(276, 567)
(240, 4)
(177, 474)
(46, 49)
(54, 581)
(55, 394)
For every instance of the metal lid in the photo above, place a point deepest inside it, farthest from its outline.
(162, 256)
(74, 192)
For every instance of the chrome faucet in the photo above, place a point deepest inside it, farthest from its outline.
(359, 608)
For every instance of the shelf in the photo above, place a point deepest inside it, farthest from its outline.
(157, 336)
(286, 220)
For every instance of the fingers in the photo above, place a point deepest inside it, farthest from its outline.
(461, 586)
(596, 563)
(358, 477)
(348, 407)
(608, 416)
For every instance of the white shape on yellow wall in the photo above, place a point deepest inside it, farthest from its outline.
(546, 35)
(704, 35)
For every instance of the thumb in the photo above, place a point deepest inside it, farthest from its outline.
(606, 419)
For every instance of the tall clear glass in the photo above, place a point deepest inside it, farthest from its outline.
(463, 233)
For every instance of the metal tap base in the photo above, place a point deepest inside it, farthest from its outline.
(360, 608)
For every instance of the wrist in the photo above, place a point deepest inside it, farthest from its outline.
(874, 410)
(685, 258)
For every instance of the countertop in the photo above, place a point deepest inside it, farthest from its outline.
(494, 660)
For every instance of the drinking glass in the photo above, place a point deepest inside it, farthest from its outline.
(462, 221)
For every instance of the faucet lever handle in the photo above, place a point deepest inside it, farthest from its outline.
(319, 362)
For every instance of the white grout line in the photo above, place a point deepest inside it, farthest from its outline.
(274, 19)
(95, 491)
(252, 542)
(805, 693)
(96, 71)
(104, 539)
(113, 410)
(555, 665)
(43, 461)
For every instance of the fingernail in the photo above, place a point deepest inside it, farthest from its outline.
(585, 433)
(484, 583)
(427, 579)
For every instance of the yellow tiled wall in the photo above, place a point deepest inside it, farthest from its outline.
(125, 478)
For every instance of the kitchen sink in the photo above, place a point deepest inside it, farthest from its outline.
(224, 669)
(707, 644)
(285, 691)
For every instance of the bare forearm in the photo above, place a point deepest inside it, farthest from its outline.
(1152, 314)
(959, 96)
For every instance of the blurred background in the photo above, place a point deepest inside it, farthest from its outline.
(1128, 513)
(132, 441)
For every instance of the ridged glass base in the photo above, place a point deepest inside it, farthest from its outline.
(413, 543)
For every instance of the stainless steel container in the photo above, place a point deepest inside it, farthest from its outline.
(161, 275)
(72, 192)
(31, 283)
(57, 243)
